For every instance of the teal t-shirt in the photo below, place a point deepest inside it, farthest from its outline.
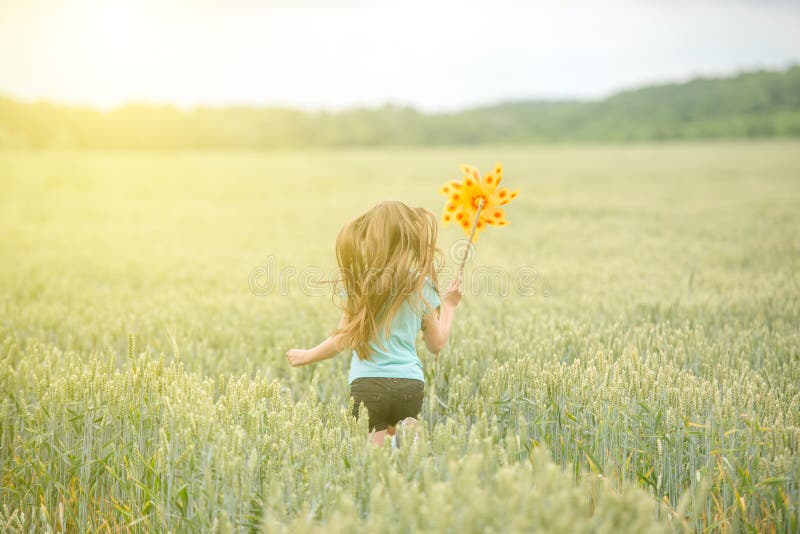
(397, 358)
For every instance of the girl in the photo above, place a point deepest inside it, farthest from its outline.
(386, 262)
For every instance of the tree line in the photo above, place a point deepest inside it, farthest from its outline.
(749, 105)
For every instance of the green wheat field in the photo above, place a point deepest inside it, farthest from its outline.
(642, 376)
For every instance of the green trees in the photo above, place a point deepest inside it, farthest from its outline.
(755, 104)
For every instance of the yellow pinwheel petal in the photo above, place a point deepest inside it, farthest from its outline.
(451, 207)
(504, 196)
(470, 171)
(450, 187)
(490, 182)
(496, 217)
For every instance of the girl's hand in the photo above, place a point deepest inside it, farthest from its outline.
(297, 357)
(452, 296)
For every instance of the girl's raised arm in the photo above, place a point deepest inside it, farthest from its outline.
(436, 326)
(327, 349)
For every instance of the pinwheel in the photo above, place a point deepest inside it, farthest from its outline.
(474, 202)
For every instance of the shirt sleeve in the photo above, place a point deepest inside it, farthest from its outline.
(431, 295)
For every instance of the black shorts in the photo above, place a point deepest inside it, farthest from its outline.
(388, 400)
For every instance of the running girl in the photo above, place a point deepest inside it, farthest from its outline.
(386, 262)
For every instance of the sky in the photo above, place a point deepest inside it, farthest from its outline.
(433, 55)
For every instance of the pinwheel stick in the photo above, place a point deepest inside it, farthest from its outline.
(471, 236)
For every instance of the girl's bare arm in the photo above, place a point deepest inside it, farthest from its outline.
(327, 349)
(436, 326)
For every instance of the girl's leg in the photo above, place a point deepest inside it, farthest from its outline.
(378, 437)
(372, 393)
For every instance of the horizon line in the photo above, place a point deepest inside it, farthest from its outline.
(389, 103)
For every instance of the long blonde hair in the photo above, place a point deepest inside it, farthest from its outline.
(384, 256)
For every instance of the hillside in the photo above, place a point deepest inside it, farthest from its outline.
(754, 104)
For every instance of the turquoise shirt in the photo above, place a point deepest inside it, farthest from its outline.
(398, 358)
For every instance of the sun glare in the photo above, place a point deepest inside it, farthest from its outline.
(115, 18)
(311, 54)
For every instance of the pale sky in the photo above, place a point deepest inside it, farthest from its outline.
(334, 54)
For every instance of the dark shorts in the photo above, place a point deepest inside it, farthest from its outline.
(388, 400)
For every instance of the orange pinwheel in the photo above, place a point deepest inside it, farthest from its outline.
(474, 202)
